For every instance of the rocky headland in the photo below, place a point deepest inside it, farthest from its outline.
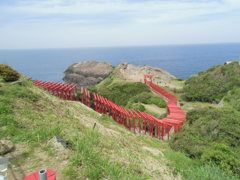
(90, 73)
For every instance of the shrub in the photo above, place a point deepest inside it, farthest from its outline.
(213, 84)
(212, 135)
(233, 98)
(129, 93)
(8, 74)
(3, 67)
(149, 98)
(122, 92)
(136, 106)
(222, 156)
(11, 75)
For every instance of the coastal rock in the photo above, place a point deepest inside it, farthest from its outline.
(132, 73)
(88, 73)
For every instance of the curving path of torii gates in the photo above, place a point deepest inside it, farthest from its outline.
(136, 121)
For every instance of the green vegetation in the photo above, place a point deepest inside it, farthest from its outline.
(233, 99)
(192, 169)
(9, 94)
(29, 116)
(96, 166)
(8, 74)
(128, 94)
(179, 82)
(212, 136)
(213, 84)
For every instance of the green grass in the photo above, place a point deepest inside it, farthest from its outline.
(131, 95)
(178, 82)
(94, 164)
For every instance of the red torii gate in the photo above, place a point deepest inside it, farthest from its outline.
(148, 79)
(133, 120)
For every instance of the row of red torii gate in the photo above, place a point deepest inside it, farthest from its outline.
(134, 120)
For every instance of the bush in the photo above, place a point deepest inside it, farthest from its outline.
(213, 84)
(212, 135)
(222, 156)
(11, 75)
(191, 169)
(122, 92)
(149, 98)
(136, 106)
(233, 98)
(8, 74)
(128, 93)
(3, 67)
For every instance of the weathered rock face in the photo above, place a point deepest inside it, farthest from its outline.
(129, 72)
(136, 73)
(88, 73)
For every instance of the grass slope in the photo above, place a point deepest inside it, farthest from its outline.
(29, 117)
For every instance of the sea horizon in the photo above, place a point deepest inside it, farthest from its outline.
(182, 61)
(122, 46)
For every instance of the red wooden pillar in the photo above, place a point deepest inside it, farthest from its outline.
(82, 95)
(132, 122)
(88, 98)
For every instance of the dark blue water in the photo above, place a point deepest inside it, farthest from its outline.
(180, 60)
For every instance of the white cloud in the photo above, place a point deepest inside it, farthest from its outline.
(79, 23)
(139, 12)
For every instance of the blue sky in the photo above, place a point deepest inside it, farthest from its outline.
(101, 23)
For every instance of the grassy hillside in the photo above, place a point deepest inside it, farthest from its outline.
(211, 134)
(128, 94)
(29, 117)
(213, 84)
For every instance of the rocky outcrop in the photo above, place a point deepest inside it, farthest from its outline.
(89, 73)
(132, 73)
(6, 146)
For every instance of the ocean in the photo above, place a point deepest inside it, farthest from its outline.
(182, 61)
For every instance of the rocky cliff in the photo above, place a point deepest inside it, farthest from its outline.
(88, 73)
(132, 73)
